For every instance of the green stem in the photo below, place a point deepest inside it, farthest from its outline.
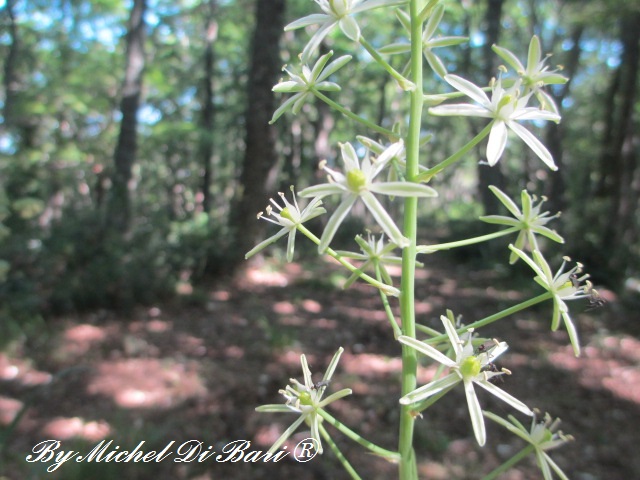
(336, 451)
(408, 467)
(404, 83)
(468, 241)
(387, 289)
(372, 447)
(426, 176)
(349, 114)
(387, 308)
(510, 463)
(428, 330)
(496, 316)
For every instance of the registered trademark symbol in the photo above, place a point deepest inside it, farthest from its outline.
(306, 449)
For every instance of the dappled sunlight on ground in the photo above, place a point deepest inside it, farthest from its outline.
(172, 372)
(67, 428)
(611, 363)
(9, 408)
(22, 372)
(144, 383)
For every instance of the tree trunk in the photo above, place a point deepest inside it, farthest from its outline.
(555, 132)
(119, 205)
(208, 111)
(11, 81)
(260, 155)
(491, 175)
(618, 163)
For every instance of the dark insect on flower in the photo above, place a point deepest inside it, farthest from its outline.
(492, 367)
(484, 347)
(595, 300)
(320, 384)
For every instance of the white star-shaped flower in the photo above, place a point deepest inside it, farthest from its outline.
(308, 81)
(288, 217)
(530, 221)
(506, 108)
(306, 400)
(430, 40)
(536, 74)
(357, 183)
(467, 367)
(543, 436)
(336, 12)
(562, 285)
(375, 254)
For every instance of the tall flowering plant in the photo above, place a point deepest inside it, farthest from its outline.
(394, 164)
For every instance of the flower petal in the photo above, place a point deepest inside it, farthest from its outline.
(335, 220)
(266, 243)
(469, 89)
(450, 328)
(291, 242)
(283, 108)
(350, 28)
(573, 334)
(528, 261)
(477, 421)
(509, 57)
(427, 350)
(536, 145)
(335, 396)
(322, 190)
(461, 109)
(334, 66)
(315, 41)
(506, 201)
(349, 157)
(403, 189)
(308, 20)
(384, 219)
(504, 396)
(286, 434)
(430, 389)
(497, 142)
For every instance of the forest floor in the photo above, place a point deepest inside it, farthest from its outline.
(196, 370)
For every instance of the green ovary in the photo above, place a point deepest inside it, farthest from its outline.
(356, 180)
(305, 398)
(470, 367)
(285, 213)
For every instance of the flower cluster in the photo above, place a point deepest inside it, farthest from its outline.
(306, 400)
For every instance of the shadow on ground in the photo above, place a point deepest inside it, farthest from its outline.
(196, 373)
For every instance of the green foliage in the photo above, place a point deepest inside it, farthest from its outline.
(58, 136)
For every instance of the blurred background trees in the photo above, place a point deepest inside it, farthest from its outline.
(135, 150)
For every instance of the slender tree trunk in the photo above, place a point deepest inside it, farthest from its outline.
(208, 110)
(260, 155)
(555, 132)
(619, 157)
(11, 81)
(119, 205)
(491, 175)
